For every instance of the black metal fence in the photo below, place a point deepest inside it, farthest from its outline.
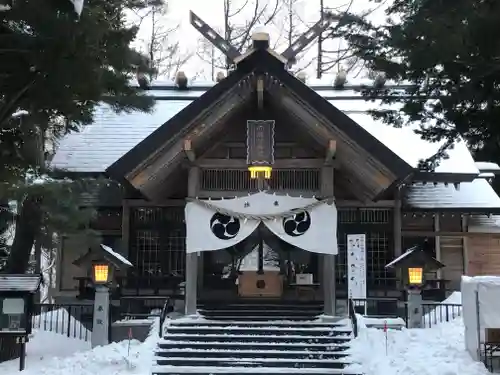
(435, 313)
(432, 313)
(70, 320)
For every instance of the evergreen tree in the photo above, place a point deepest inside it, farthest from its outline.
(55, 69)
(448, 51)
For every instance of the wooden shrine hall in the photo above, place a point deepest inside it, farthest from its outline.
(253, 187)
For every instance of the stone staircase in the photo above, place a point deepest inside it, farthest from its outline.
(265, 339)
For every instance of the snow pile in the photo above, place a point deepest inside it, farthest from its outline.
(444, 311)
(439, 350)
(65, 356)
(481, 304)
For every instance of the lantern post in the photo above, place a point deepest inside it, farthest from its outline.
(414, 263)
(102, 262)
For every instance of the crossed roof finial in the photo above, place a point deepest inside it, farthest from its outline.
(289, 55)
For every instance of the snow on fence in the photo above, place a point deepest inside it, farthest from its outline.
(71, 320)
(433, 312)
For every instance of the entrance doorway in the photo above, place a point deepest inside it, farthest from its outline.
(261, 267)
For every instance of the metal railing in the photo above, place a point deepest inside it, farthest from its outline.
(70, 320)
(435, 313)
(432, 312)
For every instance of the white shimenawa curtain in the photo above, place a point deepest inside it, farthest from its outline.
(217, 224)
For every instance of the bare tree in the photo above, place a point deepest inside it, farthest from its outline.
(164, 52)
(333, 52)
(240, 18)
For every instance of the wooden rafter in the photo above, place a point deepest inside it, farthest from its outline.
(188, 150)
(331, 150)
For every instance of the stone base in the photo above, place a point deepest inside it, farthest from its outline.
(138, 330)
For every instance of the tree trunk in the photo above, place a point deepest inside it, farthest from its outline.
(27, 227)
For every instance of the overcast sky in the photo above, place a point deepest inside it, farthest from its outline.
(211, 11)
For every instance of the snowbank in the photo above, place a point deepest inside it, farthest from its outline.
(60, 321)
(481, 304)
(439, 350)
(53, 354)
(443, 311)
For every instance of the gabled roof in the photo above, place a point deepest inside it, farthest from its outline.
(477, 196)
(20, 283)
(112, 135)
(261, 62)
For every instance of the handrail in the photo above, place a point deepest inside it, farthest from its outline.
(163, 315)
(352, 317)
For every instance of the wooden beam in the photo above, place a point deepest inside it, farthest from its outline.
(174, 146)
(359, 204)
(242, 163)
(260, 93)
(398, 222)
(415, 233)
(188, 149)
(125, 228)
(235, 194)
(331, 150)
(162, 203)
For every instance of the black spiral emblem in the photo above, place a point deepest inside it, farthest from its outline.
(297, 224)
(224, 227)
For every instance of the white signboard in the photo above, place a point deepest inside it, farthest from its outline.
(356, 266)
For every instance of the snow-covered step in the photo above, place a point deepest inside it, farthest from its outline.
(249, 312)
(251, 362)
(262, 353)
(291, 346)
(247, 323)
(255, 341)
(262, 318)
(264, 330)
(259, 338)
(236, 370)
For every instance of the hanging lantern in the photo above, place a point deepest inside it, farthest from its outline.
(260, 148)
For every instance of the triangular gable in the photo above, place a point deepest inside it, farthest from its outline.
(179, 123)
(261, 62)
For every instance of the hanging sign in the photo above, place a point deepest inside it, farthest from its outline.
(260, 146)
(356, 266)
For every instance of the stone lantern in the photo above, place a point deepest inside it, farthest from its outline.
(414, 263)
(102, 262)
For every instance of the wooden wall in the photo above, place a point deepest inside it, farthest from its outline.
(448, 250)
(483, 253)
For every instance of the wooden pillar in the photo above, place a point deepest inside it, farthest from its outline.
(328, 274)
(397, 230)
(437, 243)
(192, 258)
(398, 222)
(465, 240)
(125, 228)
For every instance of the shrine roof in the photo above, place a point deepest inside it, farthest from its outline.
(112, 135)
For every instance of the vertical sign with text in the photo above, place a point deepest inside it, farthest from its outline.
(356, 266)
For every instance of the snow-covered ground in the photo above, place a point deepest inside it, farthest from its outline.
(54, 354)
(433, 351)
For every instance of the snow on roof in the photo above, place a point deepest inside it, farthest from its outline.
(475, 194)
(484, 223)
(487, 166)
(20, 283)
(114, 254)
(401, 257)
(112, 135)
(495, 280)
